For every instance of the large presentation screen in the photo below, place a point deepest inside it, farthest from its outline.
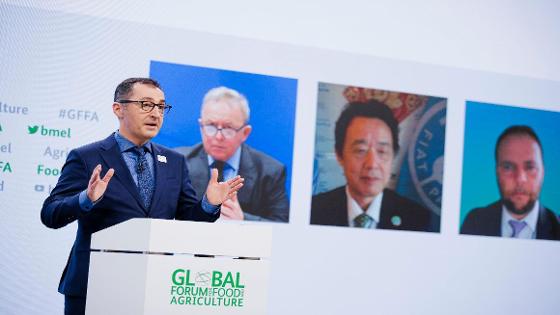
(392, 187)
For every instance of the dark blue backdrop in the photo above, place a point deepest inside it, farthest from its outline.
(272, 101)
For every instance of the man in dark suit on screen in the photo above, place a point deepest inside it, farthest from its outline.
(520, 174)
(224, 127)
(141, 180)
(366, 141)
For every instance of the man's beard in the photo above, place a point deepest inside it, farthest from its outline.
(519, 211)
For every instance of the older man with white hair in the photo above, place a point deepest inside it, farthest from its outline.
(224, 127)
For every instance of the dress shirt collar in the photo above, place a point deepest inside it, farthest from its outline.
(531, 220)
(126, 145)
(355, 210)
(232, 162)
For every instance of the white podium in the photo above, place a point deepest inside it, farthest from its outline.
(151, 266)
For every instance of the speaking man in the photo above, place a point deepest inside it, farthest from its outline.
(125, 176)
(366, 141)
(520, 172)
(224, 127)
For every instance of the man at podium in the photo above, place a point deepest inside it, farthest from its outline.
(125, 176)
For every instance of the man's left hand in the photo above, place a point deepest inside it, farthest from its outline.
(218, 192)
(231, 210)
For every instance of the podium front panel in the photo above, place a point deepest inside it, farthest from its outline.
(128, 283)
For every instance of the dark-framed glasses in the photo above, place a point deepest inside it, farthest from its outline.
(149, 106)
(212, 130)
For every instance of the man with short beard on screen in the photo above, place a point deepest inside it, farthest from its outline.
(520, 173)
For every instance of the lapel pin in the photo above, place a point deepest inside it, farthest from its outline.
(162, 158)
(396, 220)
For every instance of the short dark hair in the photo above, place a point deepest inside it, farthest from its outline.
(517, 130)
(124, 88)
(369, 109)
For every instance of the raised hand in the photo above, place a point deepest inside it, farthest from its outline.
(218, 192)
(97, 185)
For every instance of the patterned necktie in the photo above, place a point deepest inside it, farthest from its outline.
(220, 166)
(363, 221)
(517, 227)
(145, 180)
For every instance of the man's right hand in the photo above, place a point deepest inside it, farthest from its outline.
(231, 210)
(97, 185)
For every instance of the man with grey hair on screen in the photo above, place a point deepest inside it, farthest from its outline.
(224, 128)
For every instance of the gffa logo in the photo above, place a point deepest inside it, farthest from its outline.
(49, 132)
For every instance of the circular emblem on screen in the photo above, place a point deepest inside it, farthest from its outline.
(425, 157)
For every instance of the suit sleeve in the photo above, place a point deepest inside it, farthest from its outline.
(188, 205)
(275, 202)
(62, 206)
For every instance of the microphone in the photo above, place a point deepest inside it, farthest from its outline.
(140, 167)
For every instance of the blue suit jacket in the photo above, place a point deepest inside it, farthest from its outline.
(173, 197)
(488, 221)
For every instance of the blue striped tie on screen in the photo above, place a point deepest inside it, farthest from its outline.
(517, 227)
(145, 179)
(363, 221)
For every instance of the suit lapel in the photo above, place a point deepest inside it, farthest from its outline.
(161, 170)
(386, 211)
(544, 226)
(199, 172)
(494, 225)
(247, 171)
(111, 154)
(341, 203)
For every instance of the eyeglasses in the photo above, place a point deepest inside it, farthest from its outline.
(228, 132)
(149, 106)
